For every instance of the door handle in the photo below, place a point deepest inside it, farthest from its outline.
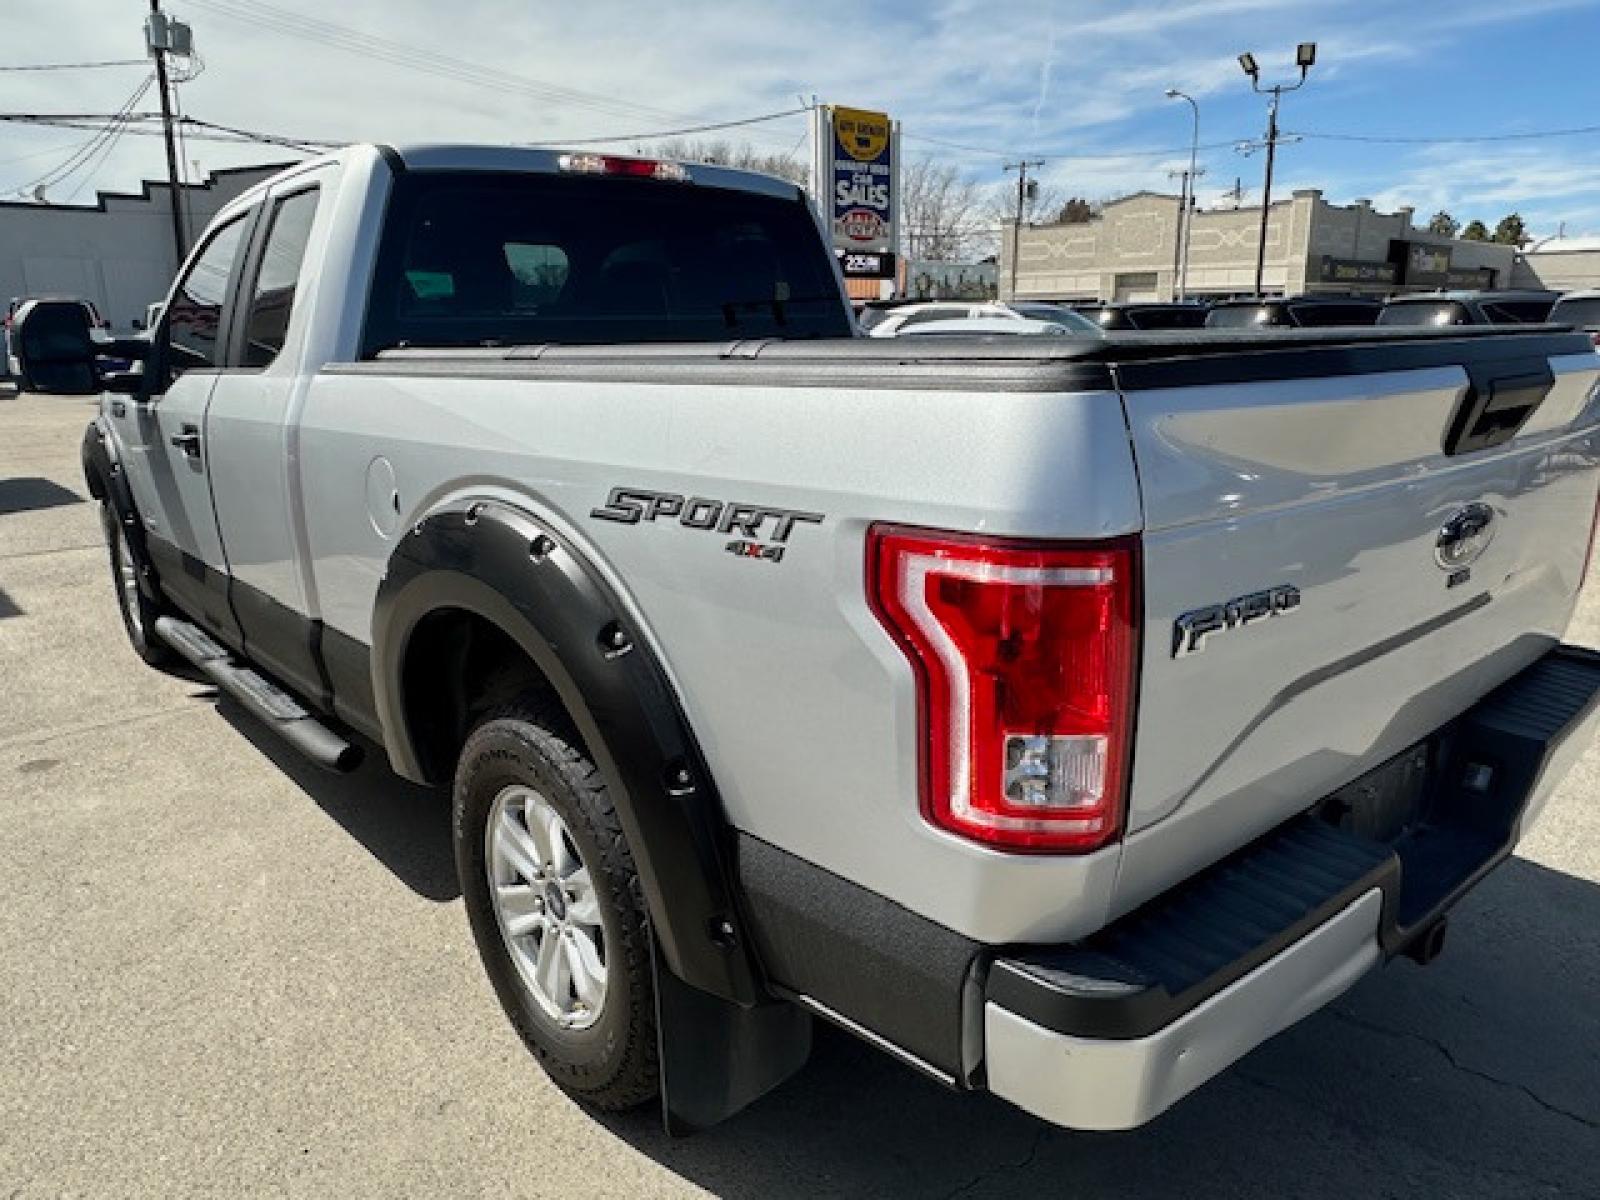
(188, 440)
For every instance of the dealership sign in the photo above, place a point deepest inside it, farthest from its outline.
(857, 182)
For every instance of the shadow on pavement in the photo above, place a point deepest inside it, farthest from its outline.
(1477, 1076)
(30, 493)
(8, 606)
(403, 826)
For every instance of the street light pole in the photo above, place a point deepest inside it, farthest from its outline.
(1305, 56)
(1186, 217)
(1021, 168)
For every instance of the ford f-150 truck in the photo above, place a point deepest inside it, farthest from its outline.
(1064, 716)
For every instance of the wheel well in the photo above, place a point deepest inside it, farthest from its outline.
(458, 666)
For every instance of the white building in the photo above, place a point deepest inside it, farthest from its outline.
(1564, 264)
(1129, 251)
(117, 251)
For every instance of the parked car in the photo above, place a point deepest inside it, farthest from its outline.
(1581, 310)
(1144, 315)
(1008, 326)
(97, 323)
(1065, 716)
(905, 317)
(1470, 308)
(1293, 312)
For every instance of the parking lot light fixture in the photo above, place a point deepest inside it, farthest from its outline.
(1248, 62)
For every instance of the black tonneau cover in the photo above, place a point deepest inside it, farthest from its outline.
(1123, 360)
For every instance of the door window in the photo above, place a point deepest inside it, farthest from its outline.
(195, 317)
(278, 277)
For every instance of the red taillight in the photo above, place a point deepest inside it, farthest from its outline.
(612, 164)
(1024, 655)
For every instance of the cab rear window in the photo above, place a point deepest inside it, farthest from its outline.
(472, 259)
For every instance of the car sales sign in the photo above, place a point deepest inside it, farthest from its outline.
(861, 175)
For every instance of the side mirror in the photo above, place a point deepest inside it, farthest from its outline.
(54, 351)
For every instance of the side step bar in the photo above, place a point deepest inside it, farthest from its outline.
(265, 699)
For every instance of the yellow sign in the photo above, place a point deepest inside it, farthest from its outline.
(863, 135)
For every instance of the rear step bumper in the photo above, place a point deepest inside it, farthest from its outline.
(1110, 1032)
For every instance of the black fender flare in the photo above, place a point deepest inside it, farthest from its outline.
(506, 566)
(108, 483)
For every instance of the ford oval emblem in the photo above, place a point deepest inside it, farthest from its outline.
(1464, 537)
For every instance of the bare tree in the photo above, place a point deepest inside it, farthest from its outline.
(742, 155)
(945, 214)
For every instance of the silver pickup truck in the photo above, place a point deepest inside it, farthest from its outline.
(1063, 716)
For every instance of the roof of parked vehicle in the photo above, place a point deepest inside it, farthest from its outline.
(1471, 294)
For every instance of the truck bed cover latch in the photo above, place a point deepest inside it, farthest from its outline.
(1499, 399)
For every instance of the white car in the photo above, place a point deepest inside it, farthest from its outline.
(903, 318)
(984, 326)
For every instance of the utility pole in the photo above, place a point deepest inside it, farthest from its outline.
(1021, 168)
(1180, 250)
(1266, 187)
(157, 39)
(1305, 56)
(1180, 288)
(1236, 193)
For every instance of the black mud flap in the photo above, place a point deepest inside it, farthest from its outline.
(717, 1057)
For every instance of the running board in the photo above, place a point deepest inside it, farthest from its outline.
(282, 713)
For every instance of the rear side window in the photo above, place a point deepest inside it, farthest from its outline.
(1577, 312)
(1516, 312)
(1167, 318)
(1239, 316)
(278, 277)
(1443, 312)
(930, 316)
(195, 314)
(523, 259)
(1314, 315)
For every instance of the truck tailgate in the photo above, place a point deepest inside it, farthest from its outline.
(1317, 503)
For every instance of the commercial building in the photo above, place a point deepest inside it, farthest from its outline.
(1562, 264)
(1129, 251)
(117, 251)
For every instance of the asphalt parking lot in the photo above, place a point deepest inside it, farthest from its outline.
(224, 972)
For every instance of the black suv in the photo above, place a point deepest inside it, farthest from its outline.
(1470, 308)
(1143, 315)
(1293, 312)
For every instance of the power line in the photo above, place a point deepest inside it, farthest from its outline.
(342, 37)
(666, 133)
(1385, 139)
(1068, 155)
(92, 148)
(77, 66)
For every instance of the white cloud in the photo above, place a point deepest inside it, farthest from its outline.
(1069, 78)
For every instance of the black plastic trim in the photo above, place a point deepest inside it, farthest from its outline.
(282, 641)
(475, 557)
(858, 954)
(348, 664)
(108, 482)
(197, 589)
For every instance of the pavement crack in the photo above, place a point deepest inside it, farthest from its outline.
(1021, 1164)
(92, 727)
(1450, 1057)
(52, 550)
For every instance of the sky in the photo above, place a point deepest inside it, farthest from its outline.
(977, 83)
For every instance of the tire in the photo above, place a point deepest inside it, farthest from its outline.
(521, 765)
(139, 613)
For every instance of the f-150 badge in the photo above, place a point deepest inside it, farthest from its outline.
(1190, 631)
(630, 506)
